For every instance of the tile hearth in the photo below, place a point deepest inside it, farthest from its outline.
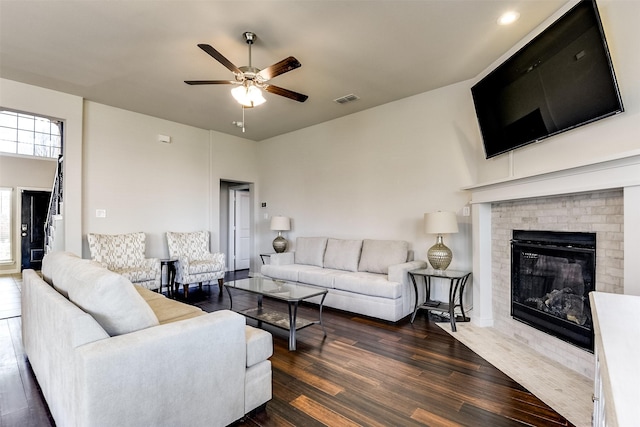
(563, 389)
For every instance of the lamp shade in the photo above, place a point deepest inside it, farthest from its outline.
(280, 223)
(440, 223)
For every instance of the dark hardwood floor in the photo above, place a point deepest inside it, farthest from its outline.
(365, 372)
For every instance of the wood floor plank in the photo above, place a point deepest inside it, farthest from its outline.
(321, 413)
(432, 420)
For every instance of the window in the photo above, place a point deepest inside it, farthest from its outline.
(6, 254)
(30, 135)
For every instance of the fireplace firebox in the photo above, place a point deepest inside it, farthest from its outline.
(552, 274)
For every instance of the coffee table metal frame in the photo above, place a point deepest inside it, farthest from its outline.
(290, 292)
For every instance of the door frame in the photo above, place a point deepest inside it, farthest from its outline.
(17, 251)
(226, 185)
(231, 229)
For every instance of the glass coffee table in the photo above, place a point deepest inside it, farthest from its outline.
(290, 292)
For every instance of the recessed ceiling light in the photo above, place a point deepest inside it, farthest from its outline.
(508, 18)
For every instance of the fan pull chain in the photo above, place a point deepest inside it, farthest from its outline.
(242, 118)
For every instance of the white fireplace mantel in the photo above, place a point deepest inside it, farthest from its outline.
(620, 171)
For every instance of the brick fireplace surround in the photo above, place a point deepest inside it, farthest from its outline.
(603, 198)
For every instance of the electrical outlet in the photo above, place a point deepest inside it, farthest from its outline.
(101, 213)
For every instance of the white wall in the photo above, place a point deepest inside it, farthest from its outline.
(234, 159)
(375, 173)
(36, 100)
(593, 142)
(145, 185)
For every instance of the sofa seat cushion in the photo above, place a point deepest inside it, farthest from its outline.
(202, 266)
(323, 277)
(342, 254)
(259, 345)
(378, 255)
(168, 310)
(289, 272)
(310, 250)
(109, 297)
(371, 284)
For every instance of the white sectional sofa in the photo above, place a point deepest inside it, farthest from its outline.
(368, 277)
(108, 353)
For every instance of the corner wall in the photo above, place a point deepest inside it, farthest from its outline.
(375, 173)
(36, 100)
(150, 186)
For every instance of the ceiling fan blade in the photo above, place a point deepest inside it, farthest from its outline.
(278, 68)
(219, 57)
(210, 82)
(286, 93)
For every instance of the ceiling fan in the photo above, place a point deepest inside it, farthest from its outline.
(249, 80)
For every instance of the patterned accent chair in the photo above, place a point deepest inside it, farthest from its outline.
(125, 254)
(196, 264)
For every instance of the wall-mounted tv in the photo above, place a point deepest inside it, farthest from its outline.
(560, 80)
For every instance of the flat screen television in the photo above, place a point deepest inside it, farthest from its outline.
(560, 80)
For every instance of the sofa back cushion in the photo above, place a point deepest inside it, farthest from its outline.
(110, 298)
(56, 266)
(107, 296)
(378, 255)
(342, 254)
(117, 251)
(310, 250)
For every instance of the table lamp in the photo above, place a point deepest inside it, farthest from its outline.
(440, 223)
(280, 224)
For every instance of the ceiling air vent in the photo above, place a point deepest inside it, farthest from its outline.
(347, 98)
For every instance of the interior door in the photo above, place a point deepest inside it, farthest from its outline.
(242, 222)
(35, 205)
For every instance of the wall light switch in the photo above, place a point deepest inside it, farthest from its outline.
(466, 211)
(101, 213)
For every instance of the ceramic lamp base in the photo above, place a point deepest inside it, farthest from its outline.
(279, 244)
(439, 255)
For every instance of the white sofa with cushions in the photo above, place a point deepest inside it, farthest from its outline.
(368, 277)
(108, 353)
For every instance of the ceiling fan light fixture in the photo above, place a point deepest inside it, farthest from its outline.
(248, 96)
(508, 18)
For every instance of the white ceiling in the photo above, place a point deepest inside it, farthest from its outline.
(136, 54)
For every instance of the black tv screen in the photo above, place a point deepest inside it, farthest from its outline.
(560, 80)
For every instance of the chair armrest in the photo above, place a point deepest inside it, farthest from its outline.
(188, 362)
(217, 257)
(152, 263)
(284, 258)
(182, 266)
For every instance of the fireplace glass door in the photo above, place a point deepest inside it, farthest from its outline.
(552, 274)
